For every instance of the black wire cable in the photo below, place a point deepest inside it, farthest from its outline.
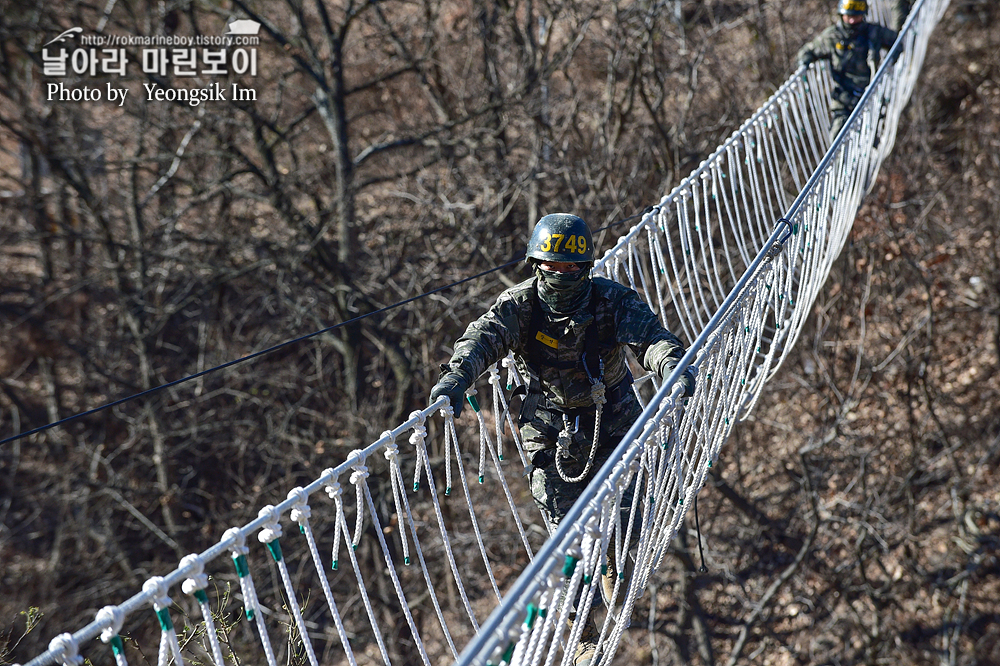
(697, 527)
(279, 346)
(254, 355)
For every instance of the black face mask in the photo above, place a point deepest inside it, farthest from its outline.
(564, 293)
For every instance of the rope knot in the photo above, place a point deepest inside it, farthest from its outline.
(418, 435)
(300, 510)
(197, 579)
(597, 393)
(271, 529)
(391, 452)
(420, 417)
(360, 472)
(158, 589)
(239, 540)
(334, 491)
(66, 650)
(112, 617)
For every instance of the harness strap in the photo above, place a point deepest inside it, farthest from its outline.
(591, 361)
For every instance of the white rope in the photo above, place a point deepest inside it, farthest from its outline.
(169, 646)
(270, 535)
(239, 552)
(195, 586)
(494, 452)
(390, 567)
(112, 618)
(420, 557)
(300, 514)
(442, 527)
(336, 493)
(65, 650)
(471, 507)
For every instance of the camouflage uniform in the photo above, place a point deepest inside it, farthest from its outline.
(556, 360)
(847, 48)
(900, 10)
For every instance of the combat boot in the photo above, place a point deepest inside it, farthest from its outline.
(586, 649)
(610, 577)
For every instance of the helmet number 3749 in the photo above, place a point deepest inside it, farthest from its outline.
(552, 243)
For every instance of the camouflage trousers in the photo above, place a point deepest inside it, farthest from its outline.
(553, 495)
(842, 104)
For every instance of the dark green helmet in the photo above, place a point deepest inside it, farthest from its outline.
(853, 7)
(561, 237)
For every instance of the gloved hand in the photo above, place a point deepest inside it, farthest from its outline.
(806, 60)
(452, 385)
(686, 379)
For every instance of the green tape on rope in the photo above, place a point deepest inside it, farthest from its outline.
(481, 478)
(241, 566)
(335, 565)
(529, 621)
(275, 549)
(201, 596)
(163, 615)
(475, 403)
(447, 491)
(570, 566)
(508, 653)
(116, 644)
(416, 486)
(302, 529)
(406, 560)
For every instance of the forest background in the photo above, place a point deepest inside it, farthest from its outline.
(396, 147)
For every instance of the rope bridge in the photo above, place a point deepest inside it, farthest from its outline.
(712, 262)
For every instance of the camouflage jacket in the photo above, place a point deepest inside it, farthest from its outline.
(622, 319)
(848, 53)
